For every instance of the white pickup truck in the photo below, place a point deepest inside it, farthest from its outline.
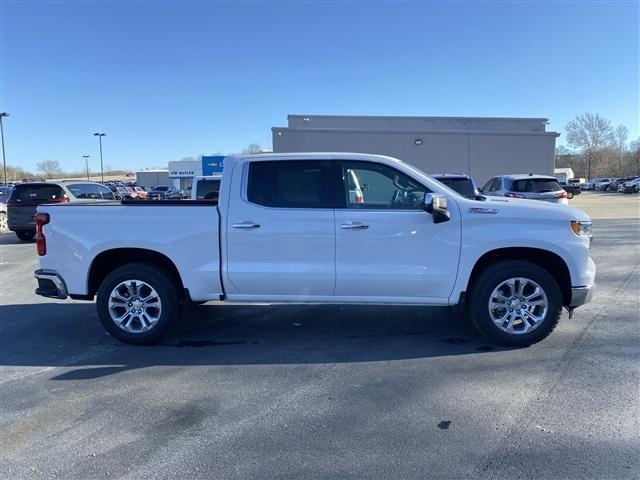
(289, 228)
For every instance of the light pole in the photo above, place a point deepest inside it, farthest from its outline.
(86, 162)
(4, 157)
(100, 135)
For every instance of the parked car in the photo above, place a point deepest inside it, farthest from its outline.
(122, 193)
(5, 192)
(206, 187)
(602, 184)
(3, 217)
(161, 192)
(529, 186)
(632, 186)
(140, 192)
(571, 189)
(619, 183)
(458, 182)
(25, 197)
(285, 229)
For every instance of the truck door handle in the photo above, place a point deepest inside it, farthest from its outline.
(354, 226)
(246, 225)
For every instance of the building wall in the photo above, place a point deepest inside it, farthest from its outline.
(482, 154)
(152, 178)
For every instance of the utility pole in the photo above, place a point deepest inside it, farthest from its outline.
(4, 157)
(100, 135)
(86, 162)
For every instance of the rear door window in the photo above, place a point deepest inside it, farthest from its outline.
(290, 184)
(536, 185)
(36, 193)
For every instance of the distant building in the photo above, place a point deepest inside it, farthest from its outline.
(152, 178)
(478, 146)
(563, 174)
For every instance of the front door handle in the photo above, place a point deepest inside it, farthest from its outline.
(354, 226)
(246, 225)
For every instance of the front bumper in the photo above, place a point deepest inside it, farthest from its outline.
(50, 284)
(581, 295)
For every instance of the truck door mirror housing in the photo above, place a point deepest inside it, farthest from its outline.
(436, 205)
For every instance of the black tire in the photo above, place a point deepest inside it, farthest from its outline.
(166, 288)
(490, 278)
(570, 195)
(26, 236)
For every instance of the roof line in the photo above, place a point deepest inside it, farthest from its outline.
(295, 115)
(413, 132)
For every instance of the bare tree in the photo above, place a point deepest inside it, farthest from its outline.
(590, 133)
(620, 135)
(635, 151)
(50, 168)
(251, 149)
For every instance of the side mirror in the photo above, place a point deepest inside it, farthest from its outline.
(436, 205)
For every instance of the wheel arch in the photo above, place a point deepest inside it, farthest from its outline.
(107, 261)
(550, 261)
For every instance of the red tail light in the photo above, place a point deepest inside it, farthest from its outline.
(41, 243)
(12, 203)
(514, 195)
(63, 199)
(562, 194)
(359, 197)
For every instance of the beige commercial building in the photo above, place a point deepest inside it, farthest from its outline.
(481, 147)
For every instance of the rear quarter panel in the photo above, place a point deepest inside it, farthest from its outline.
(187, 235)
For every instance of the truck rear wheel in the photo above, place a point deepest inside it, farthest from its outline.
(137, 303)
(515, 303)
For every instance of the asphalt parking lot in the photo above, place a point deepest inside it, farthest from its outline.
(325, 391)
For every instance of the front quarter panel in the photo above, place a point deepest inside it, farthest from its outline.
(488, 226)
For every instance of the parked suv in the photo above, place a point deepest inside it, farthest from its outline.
(25, 197)
(458, 182)
(530, 186)
(163, 192)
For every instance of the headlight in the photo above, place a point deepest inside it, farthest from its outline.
(582, 229)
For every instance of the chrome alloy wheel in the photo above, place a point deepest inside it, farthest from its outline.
(134, 306)
(518, 306)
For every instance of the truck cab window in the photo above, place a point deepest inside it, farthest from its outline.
(290, 184)
(378, 186)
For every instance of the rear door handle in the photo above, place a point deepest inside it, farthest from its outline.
(354, 226)
(246, 225)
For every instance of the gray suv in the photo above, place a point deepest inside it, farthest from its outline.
(25, 198)
(533, 187)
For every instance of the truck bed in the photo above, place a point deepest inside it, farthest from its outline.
(184, 231)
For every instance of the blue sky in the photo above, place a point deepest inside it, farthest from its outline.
(167, 80)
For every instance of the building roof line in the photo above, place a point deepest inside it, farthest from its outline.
(413, 132)
(405, 117)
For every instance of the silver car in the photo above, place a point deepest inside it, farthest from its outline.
(530, 186)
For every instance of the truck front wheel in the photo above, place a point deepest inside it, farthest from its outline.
(137, 303)
(515, 303)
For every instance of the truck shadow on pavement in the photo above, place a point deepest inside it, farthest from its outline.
(70, 335)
